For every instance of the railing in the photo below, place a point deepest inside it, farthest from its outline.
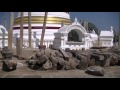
(75, 43)
(35, 44)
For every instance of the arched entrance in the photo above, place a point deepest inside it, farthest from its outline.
(73, 36)
(75, 33)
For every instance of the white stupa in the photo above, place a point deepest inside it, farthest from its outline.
(54, 22)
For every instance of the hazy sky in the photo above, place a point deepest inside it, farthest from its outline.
(103, 20)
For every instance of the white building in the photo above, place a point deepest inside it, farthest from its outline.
(54, 22)
(58, 32)
(106, 38)
(85, 40)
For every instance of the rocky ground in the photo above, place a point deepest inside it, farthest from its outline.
(74, 67)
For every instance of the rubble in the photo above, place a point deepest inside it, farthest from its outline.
(75, 59)
(47, 59)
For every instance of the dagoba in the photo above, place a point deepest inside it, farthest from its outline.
(54, 21)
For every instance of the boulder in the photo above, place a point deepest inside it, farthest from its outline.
(67, 65)
(9, 65)
(34, 67)
(95, 70)
(39, 54)
(42, 59)
(69, 54)
(79, 56)
(67, 50)
(54, 66)
(92, 62)
(107, 62)
(73, 64)
(47, 53)
(52, 53)
(60, 55)
(83, 63)
(77, 61)
(113, 60)
(73, 53)
(32, 62)
(47, 65)
(61, 61)
(60, 64)
(54, 59)
(97, 57)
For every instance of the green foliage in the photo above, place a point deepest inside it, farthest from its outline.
(91, 26)
(116, 37)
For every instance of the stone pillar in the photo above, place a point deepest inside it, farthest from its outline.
(18, 47)
(21, 29)
(44, 27)
(10, 31)
(29, 30)
(4, 24)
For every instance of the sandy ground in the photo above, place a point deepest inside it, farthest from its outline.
(25, 72)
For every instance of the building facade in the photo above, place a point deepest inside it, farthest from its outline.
(106, 37)
(85, 40)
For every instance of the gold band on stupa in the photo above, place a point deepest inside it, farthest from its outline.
(40, 19)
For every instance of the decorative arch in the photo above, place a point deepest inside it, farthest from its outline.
(79, 28)
(2, 27)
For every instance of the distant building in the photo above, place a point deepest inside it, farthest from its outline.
(106, 38)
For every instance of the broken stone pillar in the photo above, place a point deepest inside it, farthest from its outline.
(6, 53)
(9, 65)
(18, 47)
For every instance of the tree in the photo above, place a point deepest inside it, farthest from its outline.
(116, 37)
(91, 27)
